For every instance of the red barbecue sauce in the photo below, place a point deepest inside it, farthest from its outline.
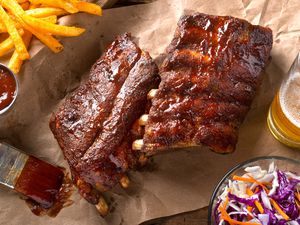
(7, 88)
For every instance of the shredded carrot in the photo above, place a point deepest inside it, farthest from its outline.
(226, 217)
(250, 180)
(226, 202)
(249, 209)
(297, 195)
(297, 199)
(259, 207)
(263, 185)
(224, 205)
(256, 190)
(257, 203)
(279, 210)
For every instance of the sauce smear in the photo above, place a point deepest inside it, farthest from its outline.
(7, 88)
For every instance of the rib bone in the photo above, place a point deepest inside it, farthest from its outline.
(102, 207)
(143, 120)
(143, 160)
(138, 144)
(125, 181)
(152, 93)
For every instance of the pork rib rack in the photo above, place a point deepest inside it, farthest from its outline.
(212, 70)
(93, 125)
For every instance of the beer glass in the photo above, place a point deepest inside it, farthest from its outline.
(284, 113)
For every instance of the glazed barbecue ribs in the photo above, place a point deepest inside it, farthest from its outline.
(93, 125)
(212, 70)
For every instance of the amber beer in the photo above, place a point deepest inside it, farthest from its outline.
(284, 113)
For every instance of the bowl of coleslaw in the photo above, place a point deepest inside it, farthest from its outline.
(260, 191)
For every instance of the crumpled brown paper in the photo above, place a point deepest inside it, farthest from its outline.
(176, 182)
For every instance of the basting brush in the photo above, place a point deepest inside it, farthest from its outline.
(29, 176)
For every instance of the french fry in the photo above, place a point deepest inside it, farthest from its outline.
(37, 18)
(16, 23)
(69, 7)
(50, 28)
(3, 37)
(50, 19)
(22, 1)
(13, 7)
(44, 12)
(2, 28)
(8, 44)
(15, 62)
(25, 5)
(14, 34)
(48, 40)
(89, 8)
(40, 25)
(34, 6)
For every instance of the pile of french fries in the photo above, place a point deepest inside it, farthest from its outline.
(20, 20)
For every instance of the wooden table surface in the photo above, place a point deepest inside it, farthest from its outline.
(198, 217)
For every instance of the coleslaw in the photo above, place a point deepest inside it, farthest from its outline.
(260, 197)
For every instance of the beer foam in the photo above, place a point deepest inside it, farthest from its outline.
(289, 97)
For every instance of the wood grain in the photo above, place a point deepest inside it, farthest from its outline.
(198, 217)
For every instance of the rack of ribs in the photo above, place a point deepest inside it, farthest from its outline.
(95, 125)
(211, 73)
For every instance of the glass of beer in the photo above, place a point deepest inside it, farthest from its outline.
(284, 113)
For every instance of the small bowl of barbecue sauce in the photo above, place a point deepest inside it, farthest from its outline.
(8, 88)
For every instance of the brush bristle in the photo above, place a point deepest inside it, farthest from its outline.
(40, 181)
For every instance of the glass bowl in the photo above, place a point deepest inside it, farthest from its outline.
(4, 110)
(282, 163)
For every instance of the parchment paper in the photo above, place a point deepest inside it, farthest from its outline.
(176, 182)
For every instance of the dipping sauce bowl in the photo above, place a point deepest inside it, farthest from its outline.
(8, 88)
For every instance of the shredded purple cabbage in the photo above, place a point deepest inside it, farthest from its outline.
(284, 196)
(246, 201)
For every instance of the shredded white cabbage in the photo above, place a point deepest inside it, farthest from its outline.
(239, 189)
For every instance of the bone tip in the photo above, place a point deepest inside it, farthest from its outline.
(102, 207)
(125, 182)
(138, 144)
(143, 160)
(152, 93)
(143, 120)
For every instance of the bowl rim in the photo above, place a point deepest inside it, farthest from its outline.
(214, 193)
(3, 111)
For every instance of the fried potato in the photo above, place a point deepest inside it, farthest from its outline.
(48, 40)
(15, 62)
(13, 7)
(22, 1)
(89, 8)
(44, 12)
(20, 20)
(8, 44)
(50, 28)
(14, 34)
(50, 19)
(25, 5)
(69, 7)
(2, 28)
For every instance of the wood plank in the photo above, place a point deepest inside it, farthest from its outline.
(198, 217)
